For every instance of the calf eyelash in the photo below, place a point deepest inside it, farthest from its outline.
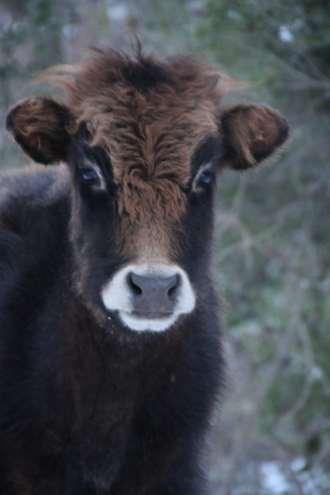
(204, 178)
(92, 177)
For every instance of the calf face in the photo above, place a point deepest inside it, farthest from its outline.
(144, 141)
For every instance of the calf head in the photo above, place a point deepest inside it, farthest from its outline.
(144, 141)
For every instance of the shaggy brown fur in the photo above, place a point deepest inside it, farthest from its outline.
(149, 116)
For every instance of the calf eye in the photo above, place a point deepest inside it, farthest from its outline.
(90, 176)
(205, 178)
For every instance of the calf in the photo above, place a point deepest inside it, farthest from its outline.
(110, 352)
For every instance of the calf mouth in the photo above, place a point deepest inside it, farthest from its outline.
(153, 322)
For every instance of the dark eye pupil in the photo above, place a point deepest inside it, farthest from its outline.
(89, 175)
(206, 177)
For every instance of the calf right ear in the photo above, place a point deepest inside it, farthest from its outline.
(40, 126)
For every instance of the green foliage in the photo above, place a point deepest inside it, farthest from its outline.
(277, 275)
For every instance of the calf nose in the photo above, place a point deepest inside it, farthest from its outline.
(153, 296)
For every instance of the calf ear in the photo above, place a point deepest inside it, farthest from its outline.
(251, 134)
(40, 127)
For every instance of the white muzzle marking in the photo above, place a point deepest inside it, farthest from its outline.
(117, 297)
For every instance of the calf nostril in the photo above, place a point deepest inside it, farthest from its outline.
(173, 286)
(153, 290)
(133, 283)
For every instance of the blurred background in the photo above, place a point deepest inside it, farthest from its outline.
(271, 432)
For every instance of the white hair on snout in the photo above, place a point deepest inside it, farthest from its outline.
(116, 297)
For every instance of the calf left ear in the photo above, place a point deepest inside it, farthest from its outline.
(250, 134)
(40, 127)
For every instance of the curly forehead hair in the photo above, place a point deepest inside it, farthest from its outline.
(149, 115)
